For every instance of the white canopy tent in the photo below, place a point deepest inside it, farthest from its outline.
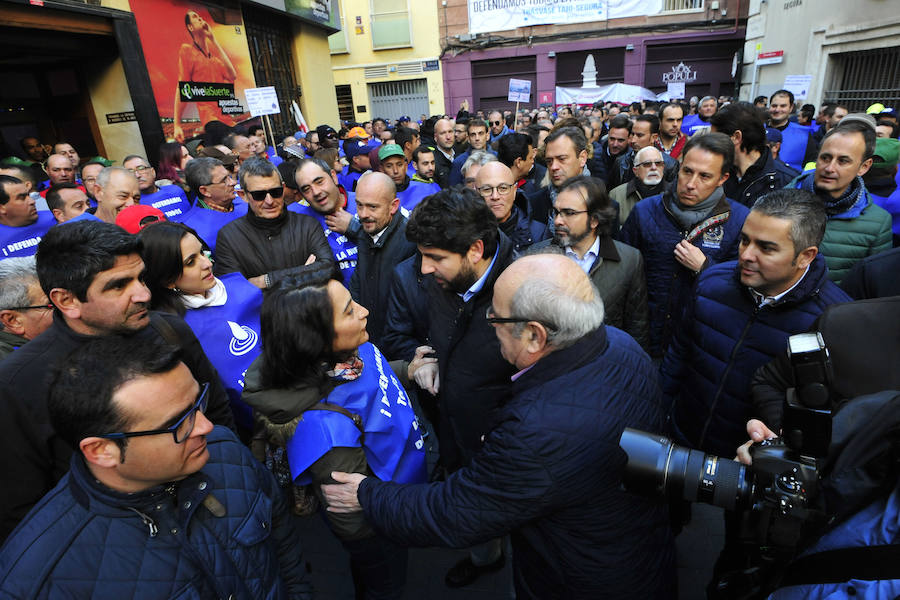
(621, 93)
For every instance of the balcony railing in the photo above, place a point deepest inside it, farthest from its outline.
(682, 5)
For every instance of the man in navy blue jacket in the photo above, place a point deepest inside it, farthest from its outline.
(549, 472)
(742, 315)
(683, 231)
(157, 503)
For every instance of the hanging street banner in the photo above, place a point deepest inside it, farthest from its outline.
(199, 63)
(486, 16)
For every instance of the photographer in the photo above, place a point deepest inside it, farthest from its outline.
(856, 553)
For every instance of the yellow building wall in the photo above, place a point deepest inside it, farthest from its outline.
(109, 93)
(318, 102)
(349, 67)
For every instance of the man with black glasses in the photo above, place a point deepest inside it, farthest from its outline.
(270, 242)
(91, 271)
(187, 508)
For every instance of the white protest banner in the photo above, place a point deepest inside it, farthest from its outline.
(675, 89)
(519, 90)
(501, 15)
(262, 101)
(798, 85)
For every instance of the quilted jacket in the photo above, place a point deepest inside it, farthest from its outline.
(654, 231)
(550, 473)
(863, 230)
(723, 339)
(84, 540)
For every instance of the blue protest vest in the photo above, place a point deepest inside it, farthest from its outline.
(229, 335)
(23, 241)
(170, 199)
(85, 216)
(793, 145)
(393, 444)
(207, 222)
(343, 249)
(412, 195)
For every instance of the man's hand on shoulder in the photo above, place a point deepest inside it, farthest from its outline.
(341, 496)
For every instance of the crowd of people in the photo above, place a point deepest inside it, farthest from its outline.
(196, 352)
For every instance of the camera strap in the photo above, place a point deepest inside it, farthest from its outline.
(866, 563)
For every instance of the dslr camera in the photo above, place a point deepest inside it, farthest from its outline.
(783, 482)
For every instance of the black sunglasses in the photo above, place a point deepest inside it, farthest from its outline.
(496, 122)
(260, 195)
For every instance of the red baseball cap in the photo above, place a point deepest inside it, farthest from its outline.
(134, 218)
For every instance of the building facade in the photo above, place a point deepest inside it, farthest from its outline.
(385, 60)
(849, 52)
(90, 72)
(653, 43)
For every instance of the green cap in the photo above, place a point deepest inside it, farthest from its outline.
(102, 161)
(389, 150)
(887, 152)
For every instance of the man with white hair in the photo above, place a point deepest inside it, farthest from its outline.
(550, 470)
(648, 181)
(25, 311)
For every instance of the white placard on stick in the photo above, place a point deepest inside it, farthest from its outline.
(262, 101)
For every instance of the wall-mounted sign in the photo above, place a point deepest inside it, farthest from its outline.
(770, 58)
(680, 73)
(120, 117)
(431, 65)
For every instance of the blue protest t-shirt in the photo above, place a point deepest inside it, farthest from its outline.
(170, 199)
(229, 335)
(207, 222)
(343, 249)
(23, 241)
(417, 190)
(393, 441)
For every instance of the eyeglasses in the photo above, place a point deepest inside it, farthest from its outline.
(494, 320)
(496, 122)
(260, 195)
(139, 169)
(502, 189)
(656, 163)
(48, 306)
(180, 431)
(226, 179)
(567, 213)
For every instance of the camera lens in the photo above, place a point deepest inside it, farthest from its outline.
(658, 466)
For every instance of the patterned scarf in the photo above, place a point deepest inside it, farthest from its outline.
(688, 216)
(348, 370)
(836, 206)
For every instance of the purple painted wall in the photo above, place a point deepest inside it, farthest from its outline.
(457, 70)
